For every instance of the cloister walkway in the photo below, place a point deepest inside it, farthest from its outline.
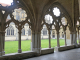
(73, 54)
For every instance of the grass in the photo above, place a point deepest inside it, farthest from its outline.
(12, 46)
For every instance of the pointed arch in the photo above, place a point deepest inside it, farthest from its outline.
(62, 9)
(20, 5)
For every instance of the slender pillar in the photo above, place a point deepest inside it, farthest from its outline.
(78, 37)
(58, 44)
(3, 40)
(75, 39)
(71, 38)
(36, 41)
(39, 42)
(1, 45)
(32, 41)
(42, 34)
(49, 39)
(65, 38)
(19, 36)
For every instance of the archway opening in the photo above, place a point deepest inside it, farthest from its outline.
(44, 37)
(11, 39)
(53, 37)
(61, 36)
(26, 38)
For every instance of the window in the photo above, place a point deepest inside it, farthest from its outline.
(56, 12)
(10, 31)
(44, 31)
(53, 34)
(29, 32)
(23, 32)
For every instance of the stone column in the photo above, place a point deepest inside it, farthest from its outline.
(58, 44)
(42, 34)
(71, 38)
(65, 38)
(78, 37)
(39, 42)
(49, 39)
(1, 44)
(75, 39)
(3, 40)
(33, 41)
(36, 42)
(19, 44)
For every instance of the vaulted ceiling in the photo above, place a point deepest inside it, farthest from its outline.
(79, 8)
(37, 7)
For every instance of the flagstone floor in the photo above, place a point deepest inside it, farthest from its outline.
(73, 54)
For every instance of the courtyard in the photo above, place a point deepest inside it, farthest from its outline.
(12, 46)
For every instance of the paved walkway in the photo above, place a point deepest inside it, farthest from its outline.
(73, 54)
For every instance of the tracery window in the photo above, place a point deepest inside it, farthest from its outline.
(53, 34)
(19, 14)
(29, 32)
(10, 31)
(48, 19)
(23, 32)
(56, 12)
(44, 31)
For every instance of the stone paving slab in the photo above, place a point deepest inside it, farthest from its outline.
(73, 54)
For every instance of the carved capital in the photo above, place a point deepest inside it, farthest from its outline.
(2, 32)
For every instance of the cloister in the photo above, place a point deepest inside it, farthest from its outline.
(54, 14)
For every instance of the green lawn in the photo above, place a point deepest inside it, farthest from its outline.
(12, 46)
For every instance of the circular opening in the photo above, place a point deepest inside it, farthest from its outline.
(19, 14)
(48, 19)
(56, 11)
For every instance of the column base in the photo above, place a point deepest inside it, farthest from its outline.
(3, 53)
(19, 50)
(63, 48)
(57, 49)
(38, 50)
(50, 47)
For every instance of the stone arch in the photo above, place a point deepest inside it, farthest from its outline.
(62, 9)
(12, 7)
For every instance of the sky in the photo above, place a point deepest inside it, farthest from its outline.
(56, 12)
(6, 1)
